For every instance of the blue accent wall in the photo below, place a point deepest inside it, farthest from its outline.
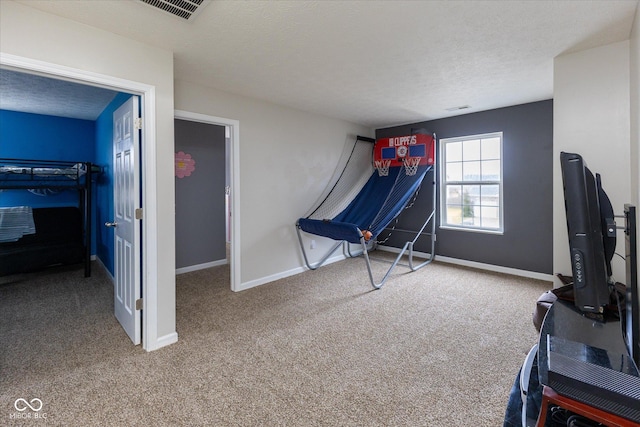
(41, 137)
(35, 136)
(104, 187)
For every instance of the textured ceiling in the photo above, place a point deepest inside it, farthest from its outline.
(31, 93)
(377, 63)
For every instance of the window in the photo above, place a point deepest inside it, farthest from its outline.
(471, 192)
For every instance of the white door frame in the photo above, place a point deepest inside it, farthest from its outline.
(149, 243)
(234, 156)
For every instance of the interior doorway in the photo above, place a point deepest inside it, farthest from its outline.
(148, 244)
(230, 193)
(200, 167)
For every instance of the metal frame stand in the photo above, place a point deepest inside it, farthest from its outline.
(407, 248)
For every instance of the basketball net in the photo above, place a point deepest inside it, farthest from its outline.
(383, 167)
(411, 165)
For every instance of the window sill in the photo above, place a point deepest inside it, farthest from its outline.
(472, 229)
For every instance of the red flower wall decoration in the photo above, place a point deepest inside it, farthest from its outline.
(184, 164)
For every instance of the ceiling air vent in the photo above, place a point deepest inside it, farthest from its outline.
(461, 107)
(185, 9)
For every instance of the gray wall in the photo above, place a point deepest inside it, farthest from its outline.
(527, 242)
(200, 213)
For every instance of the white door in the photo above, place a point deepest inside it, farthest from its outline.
(126, 194)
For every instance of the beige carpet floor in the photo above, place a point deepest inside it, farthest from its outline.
(438, 347)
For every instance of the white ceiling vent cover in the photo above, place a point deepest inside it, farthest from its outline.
(185, 9)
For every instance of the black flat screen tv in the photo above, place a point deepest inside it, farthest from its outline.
(591, 240)
(632, 318)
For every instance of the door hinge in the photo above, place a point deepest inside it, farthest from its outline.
(139, 304)
(137, 124)
(138, 213)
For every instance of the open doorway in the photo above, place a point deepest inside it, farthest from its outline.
(147, 245)
(200, 183)
(230, 192)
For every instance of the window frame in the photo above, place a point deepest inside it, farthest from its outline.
(444, 183)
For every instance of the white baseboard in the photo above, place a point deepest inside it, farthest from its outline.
(481, 266)
(197, 267)
(478, 265)
(164, 341)
(263, 280)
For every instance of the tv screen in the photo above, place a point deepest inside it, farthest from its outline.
(632, 329)
(591, 244)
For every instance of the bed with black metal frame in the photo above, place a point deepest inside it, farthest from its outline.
(52, 176)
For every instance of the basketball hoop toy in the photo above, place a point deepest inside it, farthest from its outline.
(411, 165)
(382, 166)
(363, 203)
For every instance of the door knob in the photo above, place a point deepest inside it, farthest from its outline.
(111, 224)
